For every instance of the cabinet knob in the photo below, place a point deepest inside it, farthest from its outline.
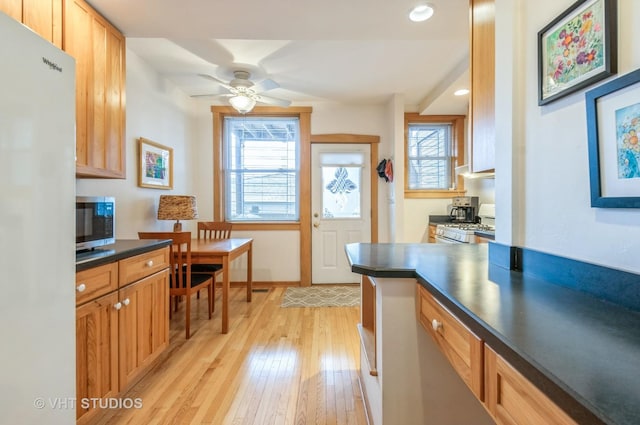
(150, 263)
(126, 301)
(436, 325)
(81, 287)
(117, 306)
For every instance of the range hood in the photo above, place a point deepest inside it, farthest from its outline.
(463, 171)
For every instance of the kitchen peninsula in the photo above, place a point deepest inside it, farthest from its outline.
(580, 352)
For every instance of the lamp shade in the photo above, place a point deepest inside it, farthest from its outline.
(177, 207)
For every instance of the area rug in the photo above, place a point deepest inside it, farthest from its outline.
(322, 296)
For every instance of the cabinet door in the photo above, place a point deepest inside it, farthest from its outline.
(12, 8)
(512, 400)
(43, 16)
(99, 50)
(143, 325)
(482, 106)
(96, 351)
(432, 233)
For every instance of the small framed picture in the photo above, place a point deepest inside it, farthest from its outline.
(577, 49)
(155, 165)
(613, 128)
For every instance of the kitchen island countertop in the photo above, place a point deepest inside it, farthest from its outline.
(584, 353)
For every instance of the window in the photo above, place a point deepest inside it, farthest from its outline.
(261, 168)
(434, 146)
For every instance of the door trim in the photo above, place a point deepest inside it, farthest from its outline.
(305, 231)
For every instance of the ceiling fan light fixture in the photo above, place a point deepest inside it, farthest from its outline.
(421, 12)
(242, 103)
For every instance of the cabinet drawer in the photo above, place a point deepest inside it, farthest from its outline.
(514, 400)
(95, 282)
(135, 268)
(460, 346)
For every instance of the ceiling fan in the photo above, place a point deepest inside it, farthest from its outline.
(244, 93)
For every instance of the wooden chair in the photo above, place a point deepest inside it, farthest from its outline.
(183, 282)
(212, 230)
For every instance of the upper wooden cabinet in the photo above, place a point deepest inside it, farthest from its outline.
(482, 108)
(99, 50)
(42, 16)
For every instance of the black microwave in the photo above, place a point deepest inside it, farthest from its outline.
(95, 221)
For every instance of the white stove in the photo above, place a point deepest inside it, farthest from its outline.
(460, 232)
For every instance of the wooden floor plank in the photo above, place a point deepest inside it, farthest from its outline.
(275, 366)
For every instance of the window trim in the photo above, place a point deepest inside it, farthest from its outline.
(304, 115)
(457, 158)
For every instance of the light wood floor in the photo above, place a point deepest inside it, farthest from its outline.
(275, 366)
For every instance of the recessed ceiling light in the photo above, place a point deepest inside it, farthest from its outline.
(421, 12)
(461, 92)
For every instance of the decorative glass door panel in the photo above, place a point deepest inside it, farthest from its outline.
(341, 197)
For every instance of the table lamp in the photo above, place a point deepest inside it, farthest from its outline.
(177, 207)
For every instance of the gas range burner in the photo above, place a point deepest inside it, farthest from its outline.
(470, 226)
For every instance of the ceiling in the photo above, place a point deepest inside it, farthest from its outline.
(349, 51)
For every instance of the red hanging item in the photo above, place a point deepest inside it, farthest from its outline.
(388, 170)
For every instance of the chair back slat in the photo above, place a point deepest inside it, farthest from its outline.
(214, 230)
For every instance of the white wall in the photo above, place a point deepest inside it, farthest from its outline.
(542, 182)
(374, 120)
(159, 112)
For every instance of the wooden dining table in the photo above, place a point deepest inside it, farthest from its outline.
(223, 251)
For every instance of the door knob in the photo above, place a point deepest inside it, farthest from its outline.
(316, 224)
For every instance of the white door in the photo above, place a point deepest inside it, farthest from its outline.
(340, 208)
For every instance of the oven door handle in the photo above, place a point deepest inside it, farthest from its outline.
(440, 239)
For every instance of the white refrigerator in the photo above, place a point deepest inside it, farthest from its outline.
(37, 229)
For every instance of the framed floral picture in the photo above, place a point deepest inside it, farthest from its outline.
(577, 49)
(613, 128)
(155, 165)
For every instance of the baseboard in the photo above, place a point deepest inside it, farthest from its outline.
(260, 284)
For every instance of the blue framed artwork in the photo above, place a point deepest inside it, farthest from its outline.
(613, 128)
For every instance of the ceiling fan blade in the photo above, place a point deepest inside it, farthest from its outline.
(273, 101)
(217, 80)
(214, 95)
(265, 85)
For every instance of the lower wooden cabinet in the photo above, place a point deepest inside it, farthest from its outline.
(512, 400)
(96, 352)
(120, 334)
(508, 396)
(432, 233)
(143, 326)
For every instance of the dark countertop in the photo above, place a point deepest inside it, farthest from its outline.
(488, 234)
(582, 352)
(123, 248)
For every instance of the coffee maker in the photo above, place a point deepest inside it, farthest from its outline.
(464, 209)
